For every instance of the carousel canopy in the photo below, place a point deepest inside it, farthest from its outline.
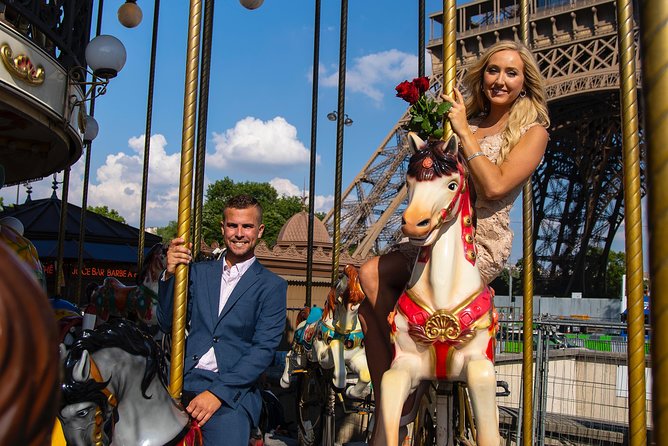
(105, 239)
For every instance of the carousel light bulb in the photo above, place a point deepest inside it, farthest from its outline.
(251, 4)
(129, 14)
(105, 55)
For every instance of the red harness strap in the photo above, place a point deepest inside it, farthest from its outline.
(443, 329)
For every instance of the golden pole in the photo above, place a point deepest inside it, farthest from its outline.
(449, 56)
(185, 198)
(527, 278)
(633, 225)
(654, 34)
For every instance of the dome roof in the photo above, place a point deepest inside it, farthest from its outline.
(295, 231)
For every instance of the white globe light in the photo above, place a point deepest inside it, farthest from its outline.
(105, 55)
(129, 14)
(251, 4)
(92, 129)
(14, 223)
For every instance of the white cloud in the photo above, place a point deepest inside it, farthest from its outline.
(257, 144)
(371, 74)
(285, 187)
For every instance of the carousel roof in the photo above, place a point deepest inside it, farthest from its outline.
(106, 239)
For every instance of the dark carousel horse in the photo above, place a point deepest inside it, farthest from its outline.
(28, 354)
(114, 393)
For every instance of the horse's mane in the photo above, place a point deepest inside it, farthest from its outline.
(433, 160)
(352, 293)
(118, 333)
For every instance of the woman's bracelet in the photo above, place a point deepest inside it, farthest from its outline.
(475, 155)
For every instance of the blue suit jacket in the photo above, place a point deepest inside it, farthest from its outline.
(244, 337)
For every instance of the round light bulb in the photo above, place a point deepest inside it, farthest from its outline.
(105, 55)
(251, 4)
(92, 129)
(129, 14)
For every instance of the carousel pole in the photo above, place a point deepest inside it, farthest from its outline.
(654, 34)
(84, 197)
(449, 56)
(60, 272)
(185, 198)
(421, 39)
(202, 115)
(527, 278)
(147, 139)
(340, 113)
(633, 226)
(314, 132)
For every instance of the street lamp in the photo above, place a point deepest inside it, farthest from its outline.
(333, 116)
(251, 4)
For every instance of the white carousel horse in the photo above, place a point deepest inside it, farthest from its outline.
(113, 392)
(443, 325)
(335, 340)
(135, 302)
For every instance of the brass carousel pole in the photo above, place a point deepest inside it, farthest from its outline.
(147, 139)
(185, 198)
(654, 34)
(314, 132)
(633, 225)
(527, 278)
(202, 115)
(336, 245)
(449, 56)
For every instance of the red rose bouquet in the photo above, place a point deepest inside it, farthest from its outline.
(426, 115)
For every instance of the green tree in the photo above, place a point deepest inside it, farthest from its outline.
(615, 271)
(106, 212)
(167, 232)
(277, 210)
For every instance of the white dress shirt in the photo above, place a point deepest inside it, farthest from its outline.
(231, 276)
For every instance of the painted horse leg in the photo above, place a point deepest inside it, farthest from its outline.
(359, 365)
(395, 388)
(481, 382)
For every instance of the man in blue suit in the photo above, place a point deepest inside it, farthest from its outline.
(236, 317)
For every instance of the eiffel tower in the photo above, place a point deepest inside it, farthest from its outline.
(577, 189)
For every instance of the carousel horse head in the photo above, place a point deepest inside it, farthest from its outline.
(436, 181)
(112, 374)
(443, 324)
(154, 264)
(11, 233)
(335, 340)
(29, 354)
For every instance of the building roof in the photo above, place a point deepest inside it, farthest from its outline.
(105, 239)
(295, 232)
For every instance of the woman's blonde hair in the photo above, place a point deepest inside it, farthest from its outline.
(526, 110)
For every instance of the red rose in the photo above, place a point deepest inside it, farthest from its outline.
(421, 83)
(407, 91)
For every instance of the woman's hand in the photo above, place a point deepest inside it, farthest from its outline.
(457, 113)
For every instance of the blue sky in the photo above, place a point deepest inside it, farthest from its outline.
(260, 101)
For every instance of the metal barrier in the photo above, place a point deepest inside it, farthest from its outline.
(580, 381)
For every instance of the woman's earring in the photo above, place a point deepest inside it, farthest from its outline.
(523, 93)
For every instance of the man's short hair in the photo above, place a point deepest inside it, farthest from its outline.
(243, 201)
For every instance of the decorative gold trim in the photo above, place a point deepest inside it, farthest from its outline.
(21, 67)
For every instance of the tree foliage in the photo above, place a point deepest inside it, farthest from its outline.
(167, 232)
(277, 210)
(106, 212)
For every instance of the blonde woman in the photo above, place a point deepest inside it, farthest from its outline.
(501, 126)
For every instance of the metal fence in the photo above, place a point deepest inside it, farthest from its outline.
(580, 381)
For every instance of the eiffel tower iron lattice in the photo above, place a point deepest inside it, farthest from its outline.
(577, 189)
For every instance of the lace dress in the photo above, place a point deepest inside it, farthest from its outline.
(494, 237)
